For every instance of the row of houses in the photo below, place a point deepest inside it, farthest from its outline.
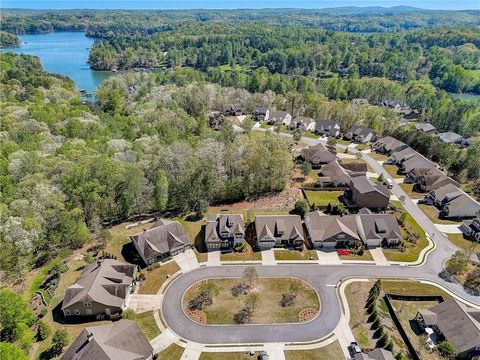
(442, 191)
(448, 137)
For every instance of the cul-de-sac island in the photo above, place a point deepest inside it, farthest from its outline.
(240, 184)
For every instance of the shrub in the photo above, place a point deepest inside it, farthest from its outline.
(241, 247)
(389, 345)
(43, 330)
(383, 340)
(376, 324)
(59, 341)
(240, 289)
(301, 207)
(447, 349)
(288, 299)
(379, 333)
(88, 258)
(43, 312)
(128, 314)
(244, 316)
(199, 302)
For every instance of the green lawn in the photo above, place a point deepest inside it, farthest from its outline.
(362, 146)
(433, 214)
(408, 287)
(173, 352)
(355, 160)
(265, 126)
(462, 242)
(408, 188)
(343, 142)
(156, 277)
(148, 325)
(310, 135)
(268, 309)
(412, 251)
(323, 198)
(329, 352)
(377, 156)
(228, 355)
(392, 170)
(295, 254)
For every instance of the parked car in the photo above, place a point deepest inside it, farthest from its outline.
(353, 349)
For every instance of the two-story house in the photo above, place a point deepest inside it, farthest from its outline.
(224, 232)
(279, 230)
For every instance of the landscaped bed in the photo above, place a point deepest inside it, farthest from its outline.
(366, 256)
(267, 308)
(323, 198)
(295, 255)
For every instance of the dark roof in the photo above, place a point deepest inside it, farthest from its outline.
(364, 185)
(277, 115)
(457, 324)
(425, 127)
(323, 227)
(122, 339)
(160, 239)
(391, 144)
(318, 154)
(379, 226)
(279, 226)
(377, 354)
(230, 223)
(363, 132)
(326, 124)
(304, 120)
(355, 166)
(105, 281)
(260, 110)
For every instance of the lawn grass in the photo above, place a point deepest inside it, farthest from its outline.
(264, 125)
(409, 287)
(412, 251)
(119, 237)
(228, 355)
(392, 170)
(173, 352)
(363, 146)
(433, 214)
(295, 254)
(247, 255)
(462, 241)
(268, 309)
(311, 135)
(323, 198)
(329, 352)
(343, 142)
(378, 157)
(156, 277)
(408, 188)
(147, 323)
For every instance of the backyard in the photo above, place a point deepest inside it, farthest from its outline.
(267, 309)
(323, 198)
(408, 188)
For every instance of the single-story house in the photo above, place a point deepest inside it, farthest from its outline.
(388, 145)
(279, 230)
(456, 323)
(260, 114)
(327, 128)
(450, 137)
(331, 231)
(379, 229)
(338, 174)
(121, 339)
(428, 179)
(453, 202)
(398, 156)
(471, 228)
(427, 128)
(103, 288)
(163, 239)
(233, 110)
(376, 354)
(364, 193)
(303, 123)
(356, 168)
(279, 117)
(317, 155)
(224, 231)
(360, 134)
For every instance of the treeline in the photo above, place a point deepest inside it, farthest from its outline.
(67, 168)
(8, 40)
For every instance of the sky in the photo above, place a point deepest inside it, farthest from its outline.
(233, 4)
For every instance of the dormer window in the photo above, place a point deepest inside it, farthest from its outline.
(87, 304)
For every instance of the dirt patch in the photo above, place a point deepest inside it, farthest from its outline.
(197, 315)
(307, 314)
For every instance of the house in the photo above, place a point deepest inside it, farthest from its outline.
(327, 128)
(398, 156)
(339, 174)
(363, 193)
(233, 110)
(427, 128)
(260, 114)
(224, 231)
(416, 161)
(279, 117)
(428, 179)
(317, 155)
(303, 123)
(376, 354)
(471, 228)
(360, 134)
(453, 203)
(121, 339)
(389, 144)
(163, 239)
(456, 323)
(103, 288)
(279, 230)
(215, 119)
(450, 137)
(359, 102)
(331, 231)
(378, 229)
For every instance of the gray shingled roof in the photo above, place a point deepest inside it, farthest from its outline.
(450, 137)
(318, 154)
(160, 239)
(425, 127)
(364, 185)
(121, 340)
(281, 227)
(230, 223)
(277, 116)
(323, 227)
(105, 281)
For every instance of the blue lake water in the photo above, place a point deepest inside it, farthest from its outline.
(64, 53)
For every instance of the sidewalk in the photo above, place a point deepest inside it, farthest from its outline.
(275, 350)
(268, 257)
(451, 229)
(379, 257)
(162, 341)
(192, 351)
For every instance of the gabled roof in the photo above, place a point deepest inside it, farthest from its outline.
(260, 110)
(230, 224)
(425, 127)
(364, 185)
(391, 144)
(403, 154)
(318, 154)
(277, 115)
(457, 324)
(450, 137)
(417, 161)
(448, 191)
(160, 239)
(282, 227)
(304, 120)
(323, 227)
(333, 170)
(122, 339)
(378, 226)
(105, 282)
(326, 124)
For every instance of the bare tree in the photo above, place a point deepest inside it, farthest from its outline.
(250, 275)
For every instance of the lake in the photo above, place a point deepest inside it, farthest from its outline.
(64, 53)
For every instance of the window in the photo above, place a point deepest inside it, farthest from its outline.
(87, 304)
(67, 312)
(76, 312)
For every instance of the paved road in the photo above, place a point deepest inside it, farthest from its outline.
(321, 277)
